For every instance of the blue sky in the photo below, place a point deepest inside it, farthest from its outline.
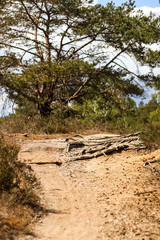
(139, 3)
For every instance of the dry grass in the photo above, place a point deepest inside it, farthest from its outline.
(55, 124)
(19, 202)
(14, 218)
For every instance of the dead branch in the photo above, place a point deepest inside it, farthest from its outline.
(82, 148)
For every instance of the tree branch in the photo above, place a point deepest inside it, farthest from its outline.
(112, 60)
(75, 95)
(19, 48)
(80, 48)
(61, 42)
(39, 50)
(30, 17)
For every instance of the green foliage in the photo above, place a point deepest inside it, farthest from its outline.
(56, 62)
(94, 114)
(27, 119)
(108, 116)
(67, 47)
(148, 121)
(37, 82)
(153, 58)
(150, 135)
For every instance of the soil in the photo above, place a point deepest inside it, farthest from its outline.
(112, 197)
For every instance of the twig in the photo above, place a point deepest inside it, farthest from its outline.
(145, 192)
(47, 163)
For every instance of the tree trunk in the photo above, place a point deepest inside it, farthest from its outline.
(44, 109)
(81, 148)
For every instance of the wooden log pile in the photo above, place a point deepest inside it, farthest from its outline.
(92, 146)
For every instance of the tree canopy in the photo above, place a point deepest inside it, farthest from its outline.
(55, 51)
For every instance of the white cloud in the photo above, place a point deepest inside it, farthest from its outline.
(148, 10)
(94, 2)
(6, 106)
(133, 66)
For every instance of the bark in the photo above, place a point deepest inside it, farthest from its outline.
(45, 109)
(81, 148)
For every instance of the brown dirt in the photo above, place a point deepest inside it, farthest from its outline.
(107, 198)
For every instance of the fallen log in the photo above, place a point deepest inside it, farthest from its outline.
(92, 146)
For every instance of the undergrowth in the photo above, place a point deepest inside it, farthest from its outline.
(151, 136)
(19, 202)
(68, 120)
(57, 123)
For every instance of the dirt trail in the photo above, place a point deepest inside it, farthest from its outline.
(112, 197)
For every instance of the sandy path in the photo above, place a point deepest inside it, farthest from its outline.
(112, 197)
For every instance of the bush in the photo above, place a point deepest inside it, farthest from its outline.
(151, 135)
(8, 165)
(19, 202)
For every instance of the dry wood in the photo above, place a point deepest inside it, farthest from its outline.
(87, 147)
(45, 163)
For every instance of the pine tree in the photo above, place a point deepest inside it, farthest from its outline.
(53, 51)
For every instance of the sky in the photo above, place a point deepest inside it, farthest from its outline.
(138, 3)
(146, 6)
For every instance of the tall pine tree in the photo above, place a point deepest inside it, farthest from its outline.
(53, 51)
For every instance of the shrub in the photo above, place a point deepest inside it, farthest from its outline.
(8, 165)
(19, 202)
